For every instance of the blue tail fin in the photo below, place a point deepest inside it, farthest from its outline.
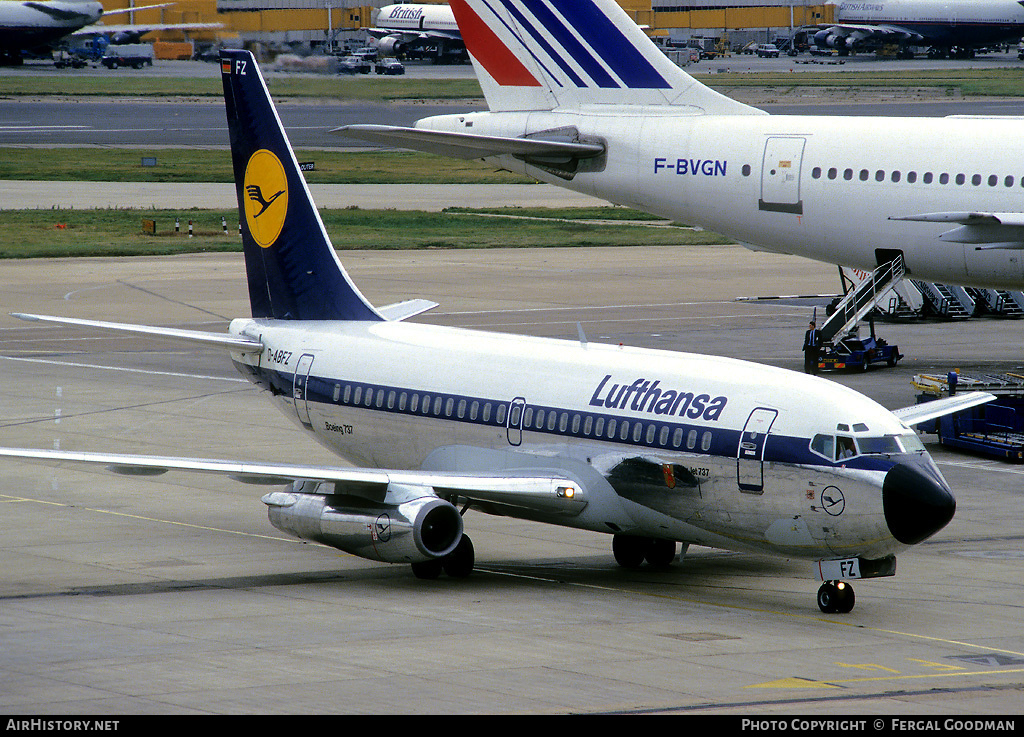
(293, 271)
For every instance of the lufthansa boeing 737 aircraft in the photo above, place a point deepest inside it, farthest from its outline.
(652, 447)
(580, 97)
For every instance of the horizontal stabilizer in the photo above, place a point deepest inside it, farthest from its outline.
(466, 145)
(404, 310)
(918, 413)
(539, 493)
(986, 230)
(216, 340)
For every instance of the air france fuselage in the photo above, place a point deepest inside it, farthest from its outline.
(822, 187)
(680, 446)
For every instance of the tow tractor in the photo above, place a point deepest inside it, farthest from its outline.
(852, 352)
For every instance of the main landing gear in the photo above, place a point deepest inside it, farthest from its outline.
(836, 597)
(457, 564)
(631, 551)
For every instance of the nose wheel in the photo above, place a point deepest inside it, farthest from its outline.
(836, 597)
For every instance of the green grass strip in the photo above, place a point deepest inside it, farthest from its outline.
(66, 233)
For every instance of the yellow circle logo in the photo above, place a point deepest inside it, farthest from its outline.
(266, 197)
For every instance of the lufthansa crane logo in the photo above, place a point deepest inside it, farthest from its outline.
(266, 197)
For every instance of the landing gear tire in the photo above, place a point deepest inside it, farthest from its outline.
(661, 553)
(459, 562)
(836, 597)
(629, 551)
(428, 569)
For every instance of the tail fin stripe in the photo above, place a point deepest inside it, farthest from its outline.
(563, 65)
(489, 50)
(608, 41)
(573, 47)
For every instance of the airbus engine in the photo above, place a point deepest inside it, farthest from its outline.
(390, 46)
(417, 528)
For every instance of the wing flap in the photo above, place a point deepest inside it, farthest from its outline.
(466, 145)
(985, 230)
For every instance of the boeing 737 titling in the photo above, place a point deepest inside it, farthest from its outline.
(581, 98)
(654, 448)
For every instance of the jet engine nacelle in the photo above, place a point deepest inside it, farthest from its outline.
(390, 46)
(829, 39)
(418, 527)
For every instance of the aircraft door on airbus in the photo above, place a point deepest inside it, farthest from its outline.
(780, 175)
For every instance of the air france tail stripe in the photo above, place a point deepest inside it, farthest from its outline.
(609, 42)
(564, 65)
(488, 49)
(516, 35)
(572, 45)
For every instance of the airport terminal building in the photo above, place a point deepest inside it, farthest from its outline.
(312, 24)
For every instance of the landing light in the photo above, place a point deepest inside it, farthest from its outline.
(565, 492)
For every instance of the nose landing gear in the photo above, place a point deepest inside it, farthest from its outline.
(836, 597)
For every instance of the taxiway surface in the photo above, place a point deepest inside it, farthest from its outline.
(175, 595)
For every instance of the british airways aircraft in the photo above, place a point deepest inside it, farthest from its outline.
(654, 448)
(579, 97)
(405, 27)
(947, 27)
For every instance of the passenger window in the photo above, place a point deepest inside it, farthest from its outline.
(487, 412)
(348, 394)
(943, 178)
(599, 427)
(705, 441)
(864, 175)
(1008, 181)
(587, 425)
(337, 391)
(663, 437)
(816, 172)
(638, 430)
(895, 176)
(848, 174)
(499, 413)
(911, 177)
(575, 424)
(961, 178)
(528, 417)
(879, 176)
(474, 408)
(414, 404)
(624, 430)
(746, 170)
(461, 411)
(927, 179)
(993, 180)
(403, 398)
(677, 437)
(976, 180)
(391, 400)
(691, 439)
(611, 428)
(833, 173)
(563, 421)
(651, 431)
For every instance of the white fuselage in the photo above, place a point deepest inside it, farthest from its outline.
(820, 187)
(941, 22)
(409, 17)
(725, 446)
(24, 25)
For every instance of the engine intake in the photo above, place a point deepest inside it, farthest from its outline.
(420, 527)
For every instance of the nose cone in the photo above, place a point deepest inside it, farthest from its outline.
(917, 502)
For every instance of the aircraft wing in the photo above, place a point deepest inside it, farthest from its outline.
(537, 492)
(409, 36)
(466, 145)
(860, 32)
(985, 230)
(404, 310)
(925, 411)
(216, 340)
(142, 29)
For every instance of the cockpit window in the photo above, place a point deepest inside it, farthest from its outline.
(911, 443)
(879, 445)
(823, 445)
(845, 447)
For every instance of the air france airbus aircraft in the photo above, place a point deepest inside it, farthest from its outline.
(652, 447)
(579, 97)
